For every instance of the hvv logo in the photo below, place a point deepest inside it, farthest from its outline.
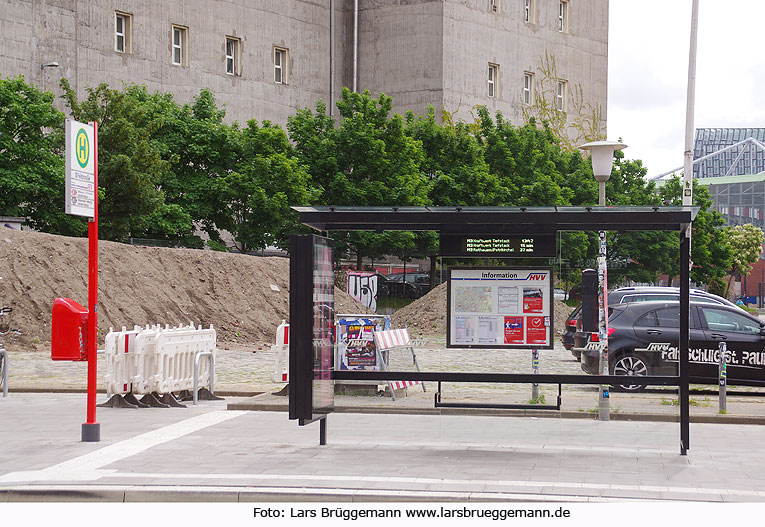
(537, 276)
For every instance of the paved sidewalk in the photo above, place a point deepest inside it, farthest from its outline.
(208, 453)
(245, 449)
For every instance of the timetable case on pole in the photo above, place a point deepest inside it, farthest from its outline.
(500, 308)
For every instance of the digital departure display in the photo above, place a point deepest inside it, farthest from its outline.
(499, 246)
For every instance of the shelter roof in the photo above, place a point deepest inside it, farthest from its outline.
(496, 220)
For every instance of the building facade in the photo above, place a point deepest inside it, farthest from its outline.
(264, 60)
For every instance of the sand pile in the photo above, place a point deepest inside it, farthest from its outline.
(244, 297)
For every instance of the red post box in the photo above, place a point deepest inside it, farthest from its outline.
(69, 334)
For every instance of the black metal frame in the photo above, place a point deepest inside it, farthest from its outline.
(515, 220)
(438, 403)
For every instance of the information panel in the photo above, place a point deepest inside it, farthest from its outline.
(498, 246)
(500, 307)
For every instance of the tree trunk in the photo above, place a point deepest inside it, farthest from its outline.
(359, 258)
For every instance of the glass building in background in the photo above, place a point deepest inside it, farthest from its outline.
(731, 163)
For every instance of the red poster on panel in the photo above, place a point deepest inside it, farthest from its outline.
(536, 332)
(532, 300)
(513, 330)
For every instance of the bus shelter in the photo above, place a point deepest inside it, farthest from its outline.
(312, 336)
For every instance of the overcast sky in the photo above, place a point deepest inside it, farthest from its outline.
(648, 73)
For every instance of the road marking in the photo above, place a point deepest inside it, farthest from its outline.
(89, 466)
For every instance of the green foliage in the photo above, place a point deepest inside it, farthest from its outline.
(454, 163)
(367, 160)
(166, 169)
(746, 244)
(258, 195)
(31, 159)
(710, 249)
(528, 161)
(130, 166)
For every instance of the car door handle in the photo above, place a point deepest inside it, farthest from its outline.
(653, 332)
(719, 336)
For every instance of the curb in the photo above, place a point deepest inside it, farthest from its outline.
(547, 414)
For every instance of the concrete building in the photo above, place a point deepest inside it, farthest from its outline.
(266, 59)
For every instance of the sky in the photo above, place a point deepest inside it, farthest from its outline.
(649, 42)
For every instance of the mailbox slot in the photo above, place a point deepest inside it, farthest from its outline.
(69, 333)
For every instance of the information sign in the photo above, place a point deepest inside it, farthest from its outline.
(498, 246)
(80, 194)
(500, 307)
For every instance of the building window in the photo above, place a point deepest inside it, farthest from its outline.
(281, 59)
(233, 56)
(180, 44)
(123, 25)
(528, 88)
(528, 11)
(560, 96)
(493, 68)
(563, 16)
(494, 6)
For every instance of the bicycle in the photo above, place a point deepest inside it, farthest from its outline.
(4, 329)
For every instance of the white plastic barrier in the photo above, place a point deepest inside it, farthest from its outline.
(157, 359)
(282, 350)
(175, 355)
(121, 360)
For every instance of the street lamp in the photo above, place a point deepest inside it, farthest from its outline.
(602, 155)
(42, 71)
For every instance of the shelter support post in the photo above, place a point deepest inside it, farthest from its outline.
(685, 263)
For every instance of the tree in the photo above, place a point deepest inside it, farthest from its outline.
(368, 160)
(453, 161)
(528, 161)
(130, 165)
(201, 151)
(268, 179)
(32, 180)
(746, 244)
(710, 250)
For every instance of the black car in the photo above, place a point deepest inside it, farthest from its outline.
(626, 295)
(410, 285)
(568, 335)
(644, 339)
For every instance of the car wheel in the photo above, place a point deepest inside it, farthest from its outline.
(630, 365)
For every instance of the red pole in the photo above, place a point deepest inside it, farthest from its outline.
(91, 429)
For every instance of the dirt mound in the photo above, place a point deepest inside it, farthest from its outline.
(244, 297)
(426, 316)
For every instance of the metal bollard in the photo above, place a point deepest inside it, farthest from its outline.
(723, 371)
(535, 371)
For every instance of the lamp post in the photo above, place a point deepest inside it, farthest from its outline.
(42, 72)
(602, 155)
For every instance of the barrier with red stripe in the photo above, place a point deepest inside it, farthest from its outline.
(392, 339)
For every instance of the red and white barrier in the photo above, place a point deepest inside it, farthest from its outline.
(281, 371)
(392, 339)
